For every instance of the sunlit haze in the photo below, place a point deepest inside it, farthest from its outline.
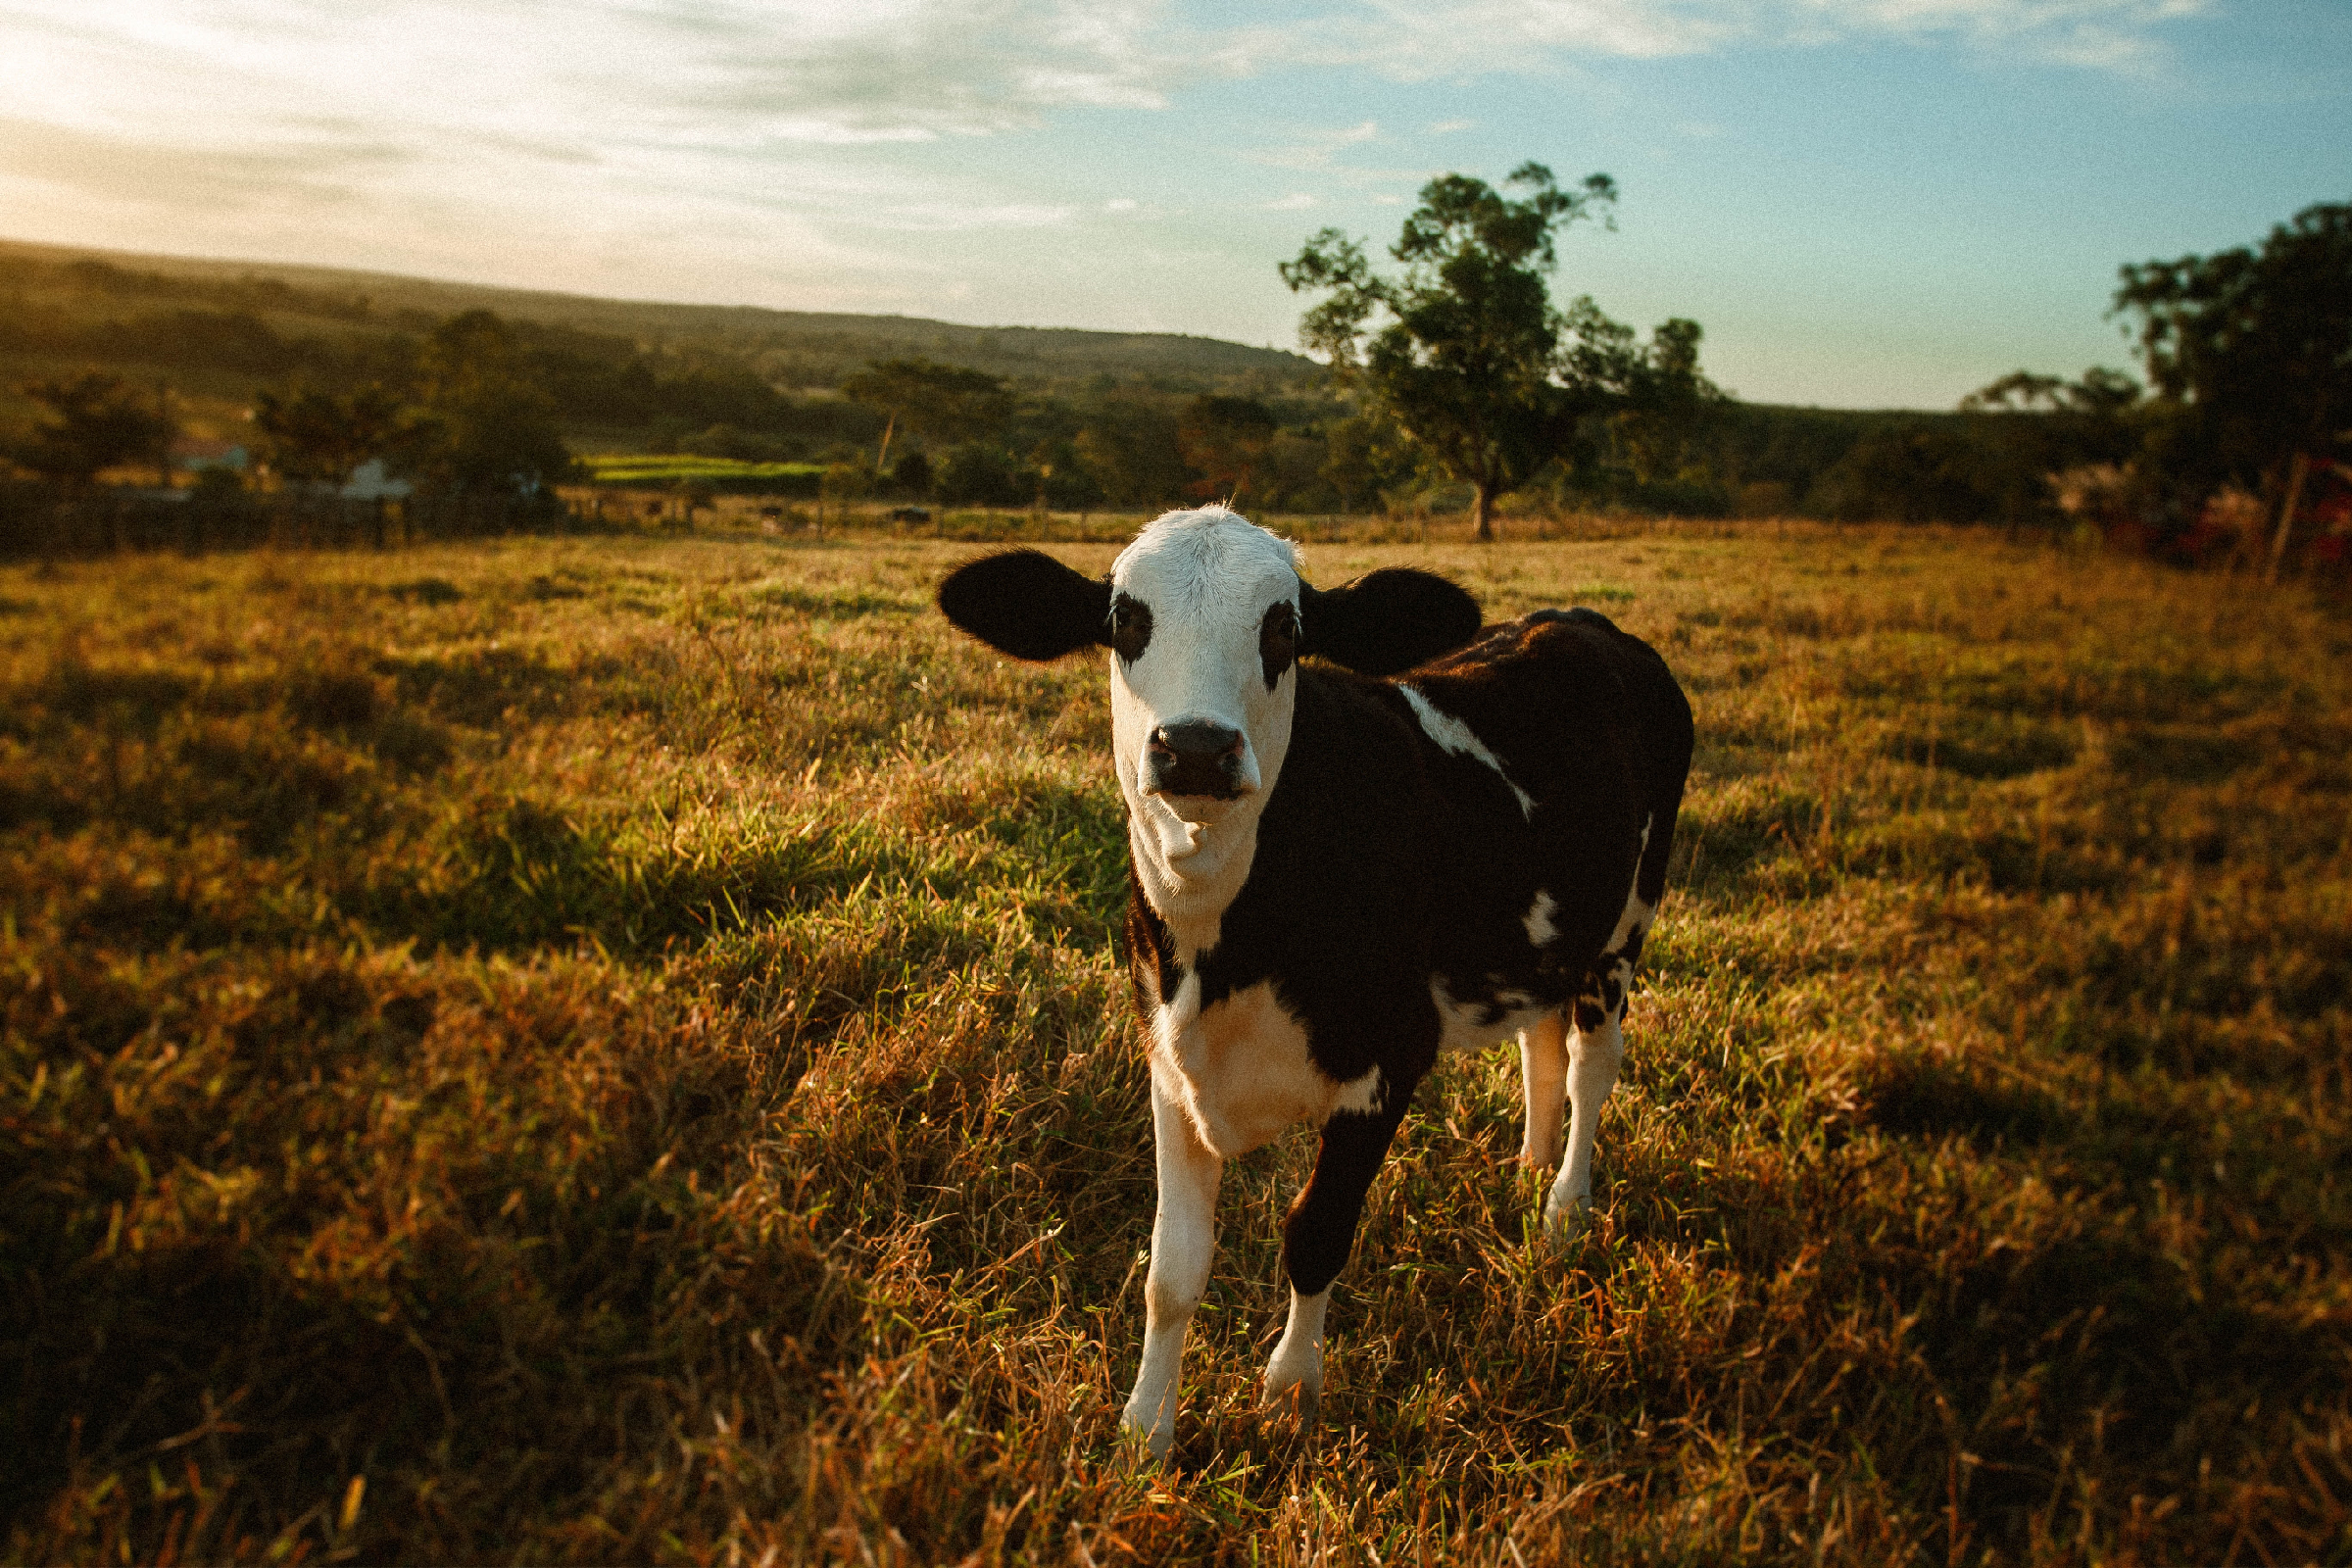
(1865, 202)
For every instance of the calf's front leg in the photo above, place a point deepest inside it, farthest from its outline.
(1317, 1239)
(1182, 1241)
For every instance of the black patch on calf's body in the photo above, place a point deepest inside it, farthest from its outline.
(1026, 603)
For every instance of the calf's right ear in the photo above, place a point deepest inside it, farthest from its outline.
(1026, 603)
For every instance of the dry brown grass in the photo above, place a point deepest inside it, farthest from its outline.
(614, 1052)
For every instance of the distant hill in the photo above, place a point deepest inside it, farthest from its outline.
(75, 291)
(1091, 415)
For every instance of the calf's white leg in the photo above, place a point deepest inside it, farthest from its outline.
(1320, 1233)
(1182, 1242)
(1595, 1054)
(1297, 1358)
(1543, 1075)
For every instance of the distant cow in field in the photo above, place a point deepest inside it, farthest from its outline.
(1339, 872)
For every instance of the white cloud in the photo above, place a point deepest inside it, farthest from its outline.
(499, 114)
(1318, 150)
(688, 71)
(796, 149)
(436, 93)
(1422, 39)
(1296, 201)
(711, 149)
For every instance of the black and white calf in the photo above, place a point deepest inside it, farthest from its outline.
(1341, 872)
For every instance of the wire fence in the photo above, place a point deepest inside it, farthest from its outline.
(43, 521)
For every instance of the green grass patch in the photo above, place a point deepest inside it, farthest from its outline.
(626, 468)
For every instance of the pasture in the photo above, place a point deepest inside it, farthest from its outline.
(608, 1050)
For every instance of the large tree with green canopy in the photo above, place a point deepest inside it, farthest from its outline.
(1463, 354)
(2251, 350)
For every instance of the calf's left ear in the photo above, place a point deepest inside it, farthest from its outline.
(1026, 603)
(1386, 621)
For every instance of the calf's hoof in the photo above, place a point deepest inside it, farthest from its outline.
(1305, 1399)
(1296, 1381)
(1159, 1435)
(1565, 1220)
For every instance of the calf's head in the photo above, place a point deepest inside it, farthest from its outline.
(1205, 617)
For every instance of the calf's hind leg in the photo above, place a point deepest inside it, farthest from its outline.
(1543, 1073)
(1596, 1051)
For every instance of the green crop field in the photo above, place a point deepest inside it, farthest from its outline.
(643, 468)
(615, 1051)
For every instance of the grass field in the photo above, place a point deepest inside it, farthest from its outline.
(614, 1051)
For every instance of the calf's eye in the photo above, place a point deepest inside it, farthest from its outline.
(1277, 641)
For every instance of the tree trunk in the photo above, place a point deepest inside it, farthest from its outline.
(1482, 512)
(2296, 471)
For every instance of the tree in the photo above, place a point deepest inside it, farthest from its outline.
(2252, 352)
(2026, 429)
(94, 422)
(1473, 367)
(2102, 393)
(1663, 404)
(321, 437)
(982, 473)
(1224, 439)
(482, 424)
(1361, 458)
(912, 474)
(1132, 447)
(943, 404)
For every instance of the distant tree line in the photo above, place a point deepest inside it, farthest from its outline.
(1454, 380)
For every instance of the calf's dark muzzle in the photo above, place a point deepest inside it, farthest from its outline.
(1194, 758)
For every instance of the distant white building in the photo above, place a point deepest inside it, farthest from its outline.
(197, 456)
(372, 481)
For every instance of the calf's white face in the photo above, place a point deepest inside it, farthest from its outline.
(1204, 641)
(1205, 617)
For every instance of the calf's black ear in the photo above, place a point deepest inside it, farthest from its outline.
(1386, 621)
(1026, 603)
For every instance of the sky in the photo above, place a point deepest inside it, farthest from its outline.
(1865, 202)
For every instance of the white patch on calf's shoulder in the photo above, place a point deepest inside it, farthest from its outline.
(1452, 735)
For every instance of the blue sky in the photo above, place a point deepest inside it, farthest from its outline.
(1864, 202)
